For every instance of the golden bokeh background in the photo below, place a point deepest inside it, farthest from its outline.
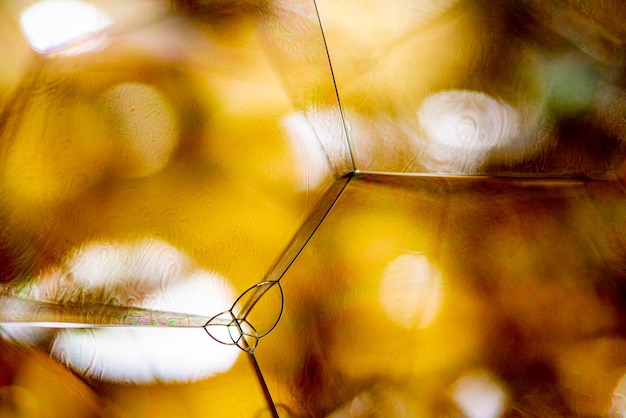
(472, 266)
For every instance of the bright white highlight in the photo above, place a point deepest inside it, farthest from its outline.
(127, 268)
(162, 354)
(64, 27)
(411, 291)
(464, 129)
(312, 165)
(479, 395)
(147, 273)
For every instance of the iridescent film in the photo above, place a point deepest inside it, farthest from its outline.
(312, 208)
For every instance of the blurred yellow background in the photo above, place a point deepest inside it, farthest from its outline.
(473, 266)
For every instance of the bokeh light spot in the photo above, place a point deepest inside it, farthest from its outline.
(311, 162)
(147, 127)
(462, 127)
(479, 395)
(148, 273)
(64, 27)
(411, 291)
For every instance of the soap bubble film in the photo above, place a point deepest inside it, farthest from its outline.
(312, 209)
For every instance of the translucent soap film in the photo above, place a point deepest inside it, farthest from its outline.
(312, 209)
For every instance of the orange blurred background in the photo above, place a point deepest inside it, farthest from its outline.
(473, 266)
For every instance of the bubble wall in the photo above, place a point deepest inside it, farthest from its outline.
(312, 208)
